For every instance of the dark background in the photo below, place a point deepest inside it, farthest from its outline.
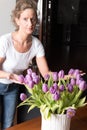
(65, 34)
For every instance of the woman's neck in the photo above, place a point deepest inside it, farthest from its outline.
(21, 42)
(21, 37)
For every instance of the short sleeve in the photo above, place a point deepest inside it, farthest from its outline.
(39, 48)
(3, 46)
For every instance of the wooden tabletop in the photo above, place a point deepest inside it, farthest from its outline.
(33, 124)
(78, 122)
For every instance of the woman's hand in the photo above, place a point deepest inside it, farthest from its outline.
(13, 77)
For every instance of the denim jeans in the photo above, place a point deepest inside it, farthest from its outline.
(8, 95)
(22, 114)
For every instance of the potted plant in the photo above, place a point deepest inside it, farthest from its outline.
(55, 95)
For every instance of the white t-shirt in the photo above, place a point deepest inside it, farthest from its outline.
(15, 61)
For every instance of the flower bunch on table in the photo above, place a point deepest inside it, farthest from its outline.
(55, 94)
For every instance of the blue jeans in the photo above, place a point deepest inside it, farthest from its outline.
(22, 114)
(8, 95)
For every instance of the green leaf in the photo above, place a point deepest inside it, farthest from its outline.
(81, 102)
(75, 99)
(45, 112)
(31, 107)
(50, 82)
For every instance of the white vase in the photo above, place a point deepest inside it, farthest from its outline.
(56, 122)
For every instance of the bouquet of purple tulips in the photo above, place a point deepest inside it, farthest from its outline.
(55, 94)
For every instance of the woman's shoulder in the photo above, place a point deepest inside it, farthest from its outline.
(38, 47)
(35, 39)
(6, 40)
(5, 36)
(36, 42)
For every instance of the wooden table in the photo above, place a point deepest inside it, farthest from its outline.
(33, 124)
(78, 122)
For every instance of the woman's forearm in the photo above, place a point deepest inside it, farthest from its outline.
(4, 74)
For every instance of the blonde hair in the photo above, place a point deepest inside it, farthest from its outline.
(21, 5)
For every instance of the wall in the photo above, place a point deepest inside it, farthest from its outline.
(5, 19)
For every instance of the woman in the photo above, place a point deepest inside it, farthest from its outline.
(17, 49)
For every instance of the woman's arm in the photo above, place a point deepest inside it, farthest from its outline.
(11, 76)
(3, 74)
(43, 66)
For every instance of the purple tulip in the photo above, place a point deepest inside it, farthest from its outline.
(71, 71)
(70, 88)
(28, 77)
(56, 96)
(55, 76)
(78, 76)
(45, 87)
(76, 72)
(30, 84)
(29, 71)
(55, 85)
(61, 88)
(72, 81)
(46, 77)
(52, 90)
(33, 75)
(21, 78)
(61, 74)
(36, 79)
(25, 81)
(70, 113)
(82, 85)
(78, 81)
(23, 96)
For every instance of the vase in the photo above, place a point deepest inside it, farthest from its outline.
(55, 122)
